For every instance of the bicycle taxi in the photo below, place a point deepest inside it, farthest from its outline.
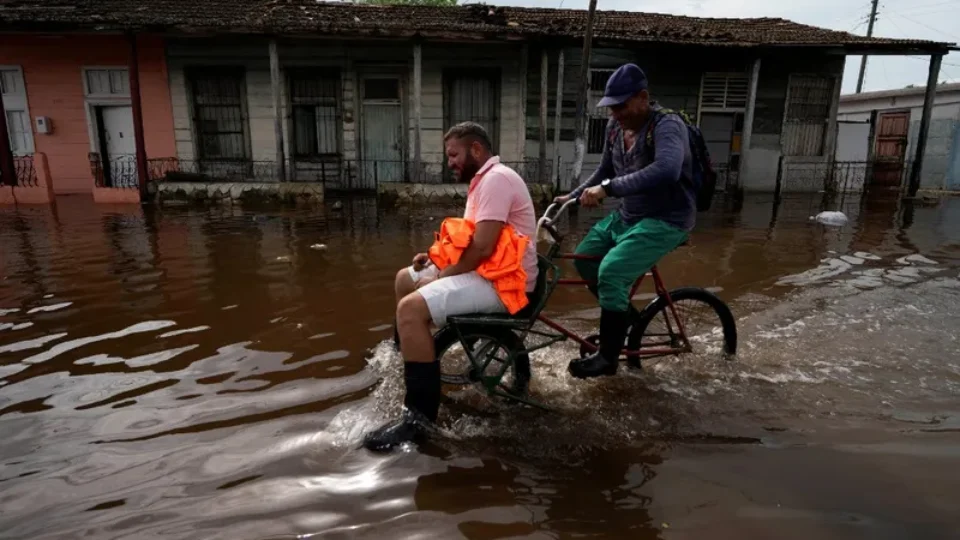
(491, 351)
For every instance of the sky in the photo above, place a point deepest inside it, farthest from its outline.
(935, 20)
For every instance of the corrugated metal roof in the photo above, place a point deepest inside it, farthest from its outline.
(468, 21)
(899, 92)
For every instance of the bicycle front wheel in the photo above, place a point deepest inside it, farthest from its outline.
(708, 326)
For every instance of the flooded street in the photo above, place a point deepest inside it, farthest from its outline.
(193, 373)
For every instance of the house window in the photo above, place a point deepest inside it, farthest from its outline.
(219, 115)
(597, 117)
(724, 92)
(474, 96)
(314, 101)
(15, 108)
(808, 112)
(107, 82)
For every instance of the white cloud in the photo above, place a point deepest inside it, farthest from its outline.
(934, 20)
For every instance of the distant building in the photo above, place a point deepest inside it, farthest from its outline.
(355, 96)
(882, 127)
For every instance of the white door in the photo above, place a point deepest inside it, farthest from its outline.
(382, 131)
(120, 145)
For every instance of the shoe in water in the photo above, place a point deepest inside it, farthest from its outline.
(412, 426)
(594, 365)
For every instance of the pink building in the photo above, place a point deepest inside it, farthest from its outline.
(70, 114)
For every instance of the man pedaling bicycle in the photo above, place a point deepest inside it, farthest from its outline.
(498, 231)
(657, 209)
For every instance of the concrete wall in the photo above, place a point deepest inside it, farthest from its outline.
(53, 74)
(353, 59)
(772, 95)
(940, 169)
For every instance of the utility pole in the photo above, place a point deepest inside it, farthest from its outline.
(581, 143)
(863, 59)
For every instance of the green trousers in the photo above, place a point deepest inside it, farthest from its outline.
(628, 252)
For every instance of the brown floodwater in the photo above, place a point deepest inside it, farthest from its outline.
(210, 373)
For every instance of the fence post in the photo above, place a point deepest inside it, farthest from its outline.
(779, 187)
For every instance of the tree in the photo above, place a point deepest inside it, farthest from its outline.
(438, 3)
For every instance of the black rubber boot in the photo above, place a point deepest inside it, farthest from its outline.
(613, 332)
(421, 404)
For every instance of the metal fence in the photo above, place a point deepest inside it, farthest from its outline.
(25, 174)
(115, 172)
(332, 172)
(844, 177)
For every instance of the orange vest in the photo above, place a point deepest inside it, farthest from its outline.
(504, 268)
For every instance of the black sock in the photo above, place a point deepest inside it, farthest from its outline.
(423, 388)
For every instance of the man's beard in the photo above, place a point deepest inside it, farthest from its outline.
(469, 170)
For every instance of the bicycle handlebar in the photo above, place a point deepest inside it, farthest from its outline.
(548, 219)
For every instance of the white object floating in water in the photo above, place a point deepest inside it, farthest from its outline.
(916, 258)
(319, 247)
(283, 258)
(831, 218)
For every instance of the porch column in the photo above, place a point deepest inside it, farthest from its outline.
(8, 173)
(417, 111)
(544, 89)
(277, 110)
(745, 138)
(557, 120)
(137, 108)
(928, 98)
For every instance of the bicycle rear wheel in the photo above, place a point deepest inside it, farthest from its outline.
(496, 344)
(707, 322)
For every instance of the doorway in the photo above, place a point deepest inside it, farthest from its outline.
(890, 148)
(382, 130)
(722, 134)
(117, 144)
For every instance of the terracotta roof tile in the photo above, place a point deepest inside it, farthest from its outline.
(468, 21)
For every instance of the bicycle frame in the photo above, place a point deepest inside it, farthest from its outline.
(659, 287)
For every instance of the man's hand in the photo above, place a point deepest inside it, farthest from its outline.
(562, 199)
(592, 196)
(420, 261)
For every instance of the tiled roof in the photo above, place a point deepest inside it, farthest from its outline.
(468, 21)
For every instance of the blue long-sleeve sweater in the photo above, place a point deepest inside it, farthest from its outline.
(652, 182)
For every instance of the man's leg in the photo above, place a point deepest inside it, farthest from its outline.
(457, 295)
(406, 283)
(637, 250)
(597, 242)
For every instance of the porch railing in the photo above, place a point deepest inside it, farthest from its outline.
(117, 172)
(24, 171)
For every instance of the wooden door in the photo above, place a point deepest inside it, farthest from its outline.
(890, 147)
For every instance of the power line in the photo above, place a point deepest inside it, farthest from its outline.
(941, 32)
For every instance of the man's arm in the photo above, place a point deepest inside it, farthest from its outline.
(482, 246)
(670, 141)
(604, 171)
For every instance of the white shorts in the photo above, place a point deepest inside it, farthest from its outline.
(463, 294)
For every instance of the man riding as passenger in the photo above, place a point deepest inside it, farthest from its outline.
(653, 177)
(497, 200)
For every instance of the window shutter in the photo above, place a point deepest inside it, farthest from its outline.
(724, 91)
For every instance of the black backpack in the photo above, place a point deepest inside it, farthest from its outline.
(704, 176)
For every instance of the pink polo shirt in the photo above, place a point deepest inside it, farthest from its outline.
(497, 193)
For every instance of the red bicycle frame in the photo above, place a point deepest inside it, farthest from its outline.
(660, 289)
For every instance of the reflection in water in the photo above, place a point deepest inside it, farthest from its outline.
(205, 373)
